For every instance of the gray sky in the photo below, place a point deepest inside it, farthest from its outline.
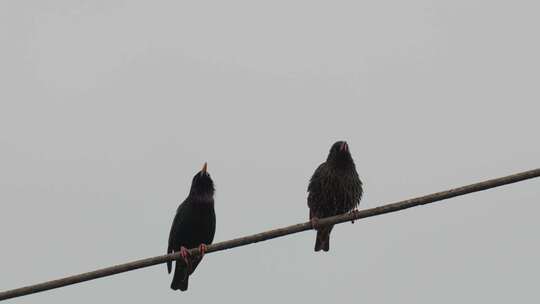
(108, 108)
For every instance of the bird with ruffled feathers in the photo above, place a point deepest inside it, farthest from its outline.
(334, 189)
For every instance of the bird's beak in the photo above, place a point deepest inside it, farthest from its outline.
(204, 168)
(344, 147)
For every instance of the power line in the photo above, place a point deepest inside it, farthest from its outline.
(267, 235)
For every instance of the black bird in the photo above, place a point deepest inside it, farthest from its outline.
(334, 188)
(194, 225)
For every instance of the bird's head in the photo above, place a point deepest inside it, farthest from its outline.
(202, 183)
(339, 153)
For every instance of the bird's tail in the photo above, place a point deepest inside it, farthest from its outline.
(322, 242)
(181, 276)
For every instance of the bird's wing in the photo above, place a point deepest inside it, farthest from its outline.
(316, 177)
(212, 227)
(315, 184)
(176, 229)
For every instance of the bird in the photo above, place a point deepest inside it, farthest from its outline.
(335, 188)
(193, 225)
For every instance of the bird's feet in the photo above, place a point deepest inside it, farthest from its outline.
(314, 222)
(186, 256)
(202, 249)
(355, 210)
(184, 253)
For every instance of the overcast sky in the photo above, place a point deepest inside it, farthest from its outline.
(108, 108)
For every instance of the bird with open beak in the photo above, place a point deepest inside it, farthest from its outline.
(194, 225)
(334, 188)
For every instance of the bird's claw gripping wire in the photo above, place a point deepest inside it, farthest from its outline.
(314, 222)
(354, 211)
(186, 256)
(184, 253)
(202, 249)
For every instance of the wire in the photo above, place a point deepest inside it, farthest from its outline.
(271, 234)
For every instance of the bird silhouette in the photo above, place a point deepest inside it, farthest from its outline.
(334, 188)
(194, 225)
